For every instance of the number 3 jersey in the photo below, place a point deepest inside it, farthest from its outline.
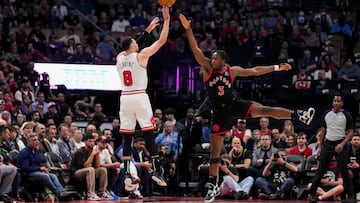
(132, 75)
(219, 87)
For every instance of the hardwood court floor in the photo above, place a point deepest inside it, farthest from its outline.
(165, 199)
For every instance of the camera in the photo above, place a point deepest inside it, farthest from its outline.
(222, 162)
(276, 156)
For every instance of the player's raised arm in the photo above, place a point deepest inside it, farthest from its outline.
(259, 70)
(199, 55)
(145, 54)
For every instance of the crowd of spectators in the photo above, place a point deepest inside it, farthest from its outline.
(316, 39)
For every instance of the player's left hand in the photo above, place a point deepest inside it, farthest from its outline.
(154, 23)
(284, 66)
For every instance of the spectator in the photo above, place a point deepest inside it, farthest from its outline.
(86, 166)
(277, 140)
(232, 184)
(109, 162)
(331, 184)
(261, 156)
(50, 141)
(83, 105)
(288, 129)
(24, 90)
(77, 139)
(349, 72)
(29, 161)
(40, 99)
(302, 80)
(120, 24)
(140, 160)
(264, 126)
(172, 141)
(277, 173)
(242, 132)
(301, 148)
(354, 161)
(98, 111)
(52, 113)
(105, 50)
(53, 22)
(307, 61)
(61, 10)
(72, 21)
(65, 144)
(8, 174)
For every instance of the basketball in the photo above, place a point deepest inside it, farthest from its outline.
(167, 3)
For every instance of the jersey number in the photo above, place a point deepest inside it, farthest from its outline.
(128, 81)
(221, 90)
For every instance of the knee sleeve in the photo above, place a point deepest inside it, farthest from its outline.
(127, 145)
(215, 160)
(150, 143)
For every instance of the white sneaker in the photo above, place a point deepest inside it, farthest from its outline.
(93, 197)
(106, 196)
(306, 116)
(212, 192)
(128, 183)
(135, 195)
(159, 179)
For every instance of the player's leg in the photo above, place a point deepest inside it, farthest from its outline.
(145, 118)
(304, 116)
(213, 188)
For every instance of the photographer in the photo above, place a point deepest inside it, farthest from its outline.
(276, 180)
(231, 186)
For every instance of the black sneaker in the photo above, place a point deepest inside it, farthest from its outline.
(263, 196)
(350, 200)
(241, 195)
(212, 192)
(313, 199)
(159, 179)
(306, 116)
(275, 196)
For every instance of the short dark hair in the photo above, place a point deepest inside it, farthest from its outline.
(222, 53)
(126, 42)
(139, 139)
(88, 136)
(169, 111)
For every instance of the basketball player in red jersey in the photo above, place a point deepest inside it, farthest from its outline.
(134, 102)
(218, 78)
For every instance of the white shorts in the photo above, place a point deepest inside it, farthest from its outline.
(135, 107)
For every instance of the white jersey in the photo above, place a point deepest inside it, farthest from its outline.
(134, 102)
(132, 75)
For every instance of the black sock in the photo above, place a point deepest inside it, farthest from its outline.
(212, 179)
(156, 164)
(127, 166)
(294, 115)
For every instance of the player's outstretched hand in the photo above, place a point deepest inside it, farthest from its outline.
(285, 66)
(184, 21)
(154, 23)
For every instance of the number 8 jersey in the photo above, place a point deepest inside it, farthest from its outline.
(132, 75)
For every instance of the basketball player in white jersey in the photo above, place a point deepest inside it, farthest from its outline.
(134, 101)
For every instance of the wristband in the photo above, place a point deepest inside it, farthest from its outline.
(276, 67)
(284, 163)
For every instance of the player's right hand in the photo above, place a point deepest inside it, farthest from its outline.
(165, 12)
